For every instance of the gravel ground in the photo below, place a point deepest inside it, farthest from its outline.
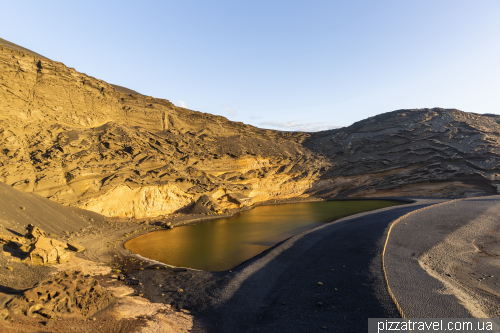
(101, 325)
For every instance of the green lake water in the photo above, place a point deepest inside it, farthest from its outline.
(221, 244)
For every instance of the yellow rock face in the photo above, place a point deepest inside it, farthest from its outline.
(79, 141)
(144, 201)
(76, 140)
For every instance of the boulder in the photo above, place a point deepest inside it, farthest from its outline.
(14, 243)
(75, 247)
(12, 239)
(34, 232)
(47, 251)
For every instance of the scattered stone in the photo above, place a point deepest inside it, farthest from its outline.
(49, 323)
(320, 283)
(9, 268)
(319, 304)
(23, 208)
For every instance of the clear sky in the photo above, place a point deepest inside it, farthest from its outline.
(288, 65)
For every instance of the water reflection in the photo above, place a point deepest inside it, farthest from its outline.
(224, 243)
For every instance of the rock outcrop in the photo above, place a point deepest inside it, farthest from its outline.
(85, 143)
(205, 205)
(33, 232)
(37, 249)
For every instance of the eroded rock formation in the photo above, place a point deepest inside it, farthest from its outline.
(81, 142)
(78, 141)
(37, 249)
(67, 294)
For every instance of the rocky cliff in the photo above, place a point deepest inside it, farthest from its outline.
(83, 142)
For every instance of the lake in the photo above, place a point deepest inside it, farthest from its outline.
(221, 244)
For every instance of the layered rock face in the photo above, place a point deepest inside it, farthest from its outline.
(85, 143)
(79, 141)
(425, 152)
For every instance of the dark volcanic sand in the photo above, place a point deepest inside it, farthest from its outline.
(278, 291)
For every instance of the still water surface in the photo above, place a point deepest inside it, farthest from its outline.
(221, 244)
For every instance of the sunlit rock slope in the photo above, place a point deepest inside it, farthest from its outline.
(83, 142)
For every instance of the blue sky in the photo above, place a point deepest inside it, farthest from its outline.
(287, 65)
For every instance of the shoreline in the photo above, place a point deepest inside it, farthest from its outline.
(191, 219)
(198, 295)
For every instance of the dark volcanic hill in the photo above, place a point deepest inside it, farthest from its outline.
(83, 142)
(425, 152)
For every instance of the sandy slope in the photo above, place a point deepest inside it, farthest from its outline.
(18, 209)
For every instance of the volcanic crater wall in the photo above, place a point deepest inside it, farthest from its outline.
(85, 143)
